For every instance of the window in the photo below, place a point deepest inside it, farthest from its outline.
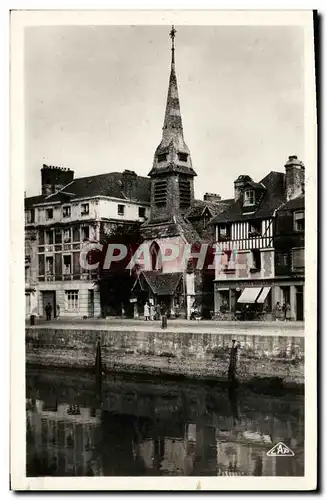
(76, 233)
(282, 259)
(142, 212)
(121, 209)
(67, 235)
(162, 157)
(66, 211)
(49, 265)
(49, 213)
(256, 259)
(248, 198)
(228, 261)
(298, 259)
(85, 209)
(299, 221)
(224, 232)
(49, 237)
(160, 193)
(27, 274)
(182, 156)
(85, 233)
(206, 218)
(71, 300)
(58, 236)
(67, 264)
(255, 228)
(30, 216)
(156, 256)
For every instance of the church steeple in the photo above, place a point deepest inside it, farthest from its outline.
(172, 154)
(173, 119)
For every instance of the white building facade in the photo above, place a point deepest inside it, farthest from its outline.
(69, 214)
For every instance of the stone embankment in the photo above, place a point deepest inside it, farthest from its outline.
(264, 352)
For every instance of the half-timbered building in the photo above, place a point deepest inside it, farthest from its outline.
(245, 233)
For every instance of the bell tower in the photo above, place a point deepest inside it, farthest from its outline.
(172, 174)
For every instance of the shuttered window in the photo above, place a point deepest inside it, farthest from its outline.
(298, 259)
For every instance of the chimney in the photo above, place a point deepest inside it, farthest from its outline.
(211, 197)
(294, 178)
(55, 178)
(129, 182)
(239, 185)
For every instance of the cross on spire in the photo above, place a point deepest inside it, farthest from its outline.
(172, 35)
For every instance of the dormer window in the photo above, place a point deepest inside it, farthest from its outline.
(182, 156)
(162, 157)
(248, 198)
(299, 221)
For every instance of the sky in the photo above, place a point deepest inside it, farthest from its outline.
(95, 99)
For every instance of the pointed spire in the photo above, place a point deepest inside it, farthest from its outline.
(173, 120)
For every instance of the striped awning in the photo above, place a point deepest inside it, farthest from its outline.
(249, 295)
(263, 295)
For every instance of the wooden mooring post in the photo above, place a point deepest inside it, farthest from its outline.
(98, 366)
(233, 362)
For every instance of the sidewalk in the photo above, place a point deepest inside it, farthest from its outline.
(271, 328)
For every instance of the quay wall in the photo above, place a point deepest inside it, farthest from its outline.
(195, 355)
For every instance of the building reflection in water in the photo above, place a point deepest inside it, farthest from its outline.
(156, 434)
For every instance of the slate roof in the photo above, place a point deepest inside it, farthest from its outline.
(33, 200)
(110, 184)
(272, 198)
(162, 283)
(215, 208)
(168, 228)
(297, 203)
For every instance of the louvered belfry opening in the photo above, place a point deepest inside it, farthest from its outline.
(160, 192)
(184, 192)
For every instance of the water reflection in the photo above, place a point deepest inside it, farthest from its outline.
(142, 427)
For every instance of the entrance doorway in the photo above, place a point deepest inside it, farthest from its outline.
(299, 303)
(91, 304)
(49, 297)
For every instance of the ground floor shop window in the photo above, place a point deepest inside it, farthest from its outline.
(224, 301)
(71, 300)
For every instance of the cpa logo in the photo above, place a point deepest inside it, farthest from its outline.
(280, 450)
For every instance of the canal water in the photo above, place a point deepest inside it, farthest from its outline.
(152, 427)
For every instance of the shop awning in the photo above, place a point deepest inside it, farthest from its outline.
(263, 295)
(249, 295)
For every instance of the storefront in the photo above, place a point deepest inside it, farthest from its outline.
(243, 301)
(258, 299)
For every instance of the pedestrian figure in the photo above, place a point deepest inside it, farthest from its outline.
(57, 311)
(288, 314)
(163, 312)
(193, 311)
(146, 311)
(278, 311)
(152, 312)
(48, 311)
